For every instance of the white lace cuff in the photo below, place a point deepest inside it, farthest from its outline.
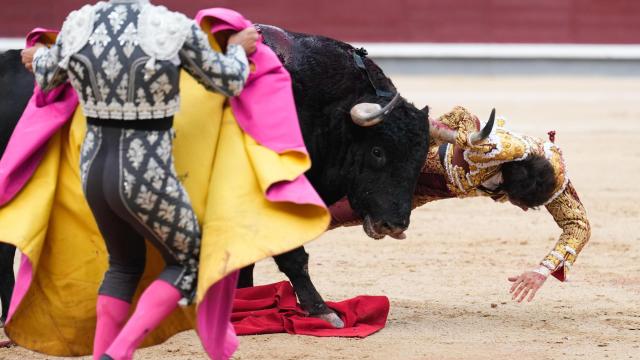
(543, 270)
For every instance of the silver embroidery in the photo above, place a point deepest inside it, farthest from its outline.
(90, 100)
(117, 17)
(84, 171)
(136, 153)
(146, 199)
(112, 65)
(211, 62)
(152, 137)
(129, 183)
(149, 72)
(160, 88)
(164, 150)
(99, 40)
(39, 77)
(89, 150)
(122, 89)
(129, 40)
(167, 211)
(235, 86)
(141, 98)
(161, 230)
(154, 174)
(102, 87)
(75, 83)
(187, 282)
(185, 219)
(172, 189)
(78, 69)
(89, 143)
(182, 241)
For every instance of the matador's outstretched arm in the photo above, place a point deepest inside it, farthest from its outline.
(571, 217)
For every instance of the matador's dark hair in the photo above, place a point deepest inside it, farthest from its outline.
(529, 182)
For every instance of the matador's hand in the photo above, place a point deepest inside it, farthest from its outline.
(246, 38)
(27, 56)
(529, 282)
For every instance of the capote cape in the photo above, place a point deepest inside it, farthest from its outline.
(242, 170)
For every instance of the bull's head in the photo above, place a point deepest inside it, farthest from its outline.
(388, 150)
(388, 160)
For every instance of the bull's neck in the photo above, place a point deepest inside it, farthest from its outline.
(328, 142)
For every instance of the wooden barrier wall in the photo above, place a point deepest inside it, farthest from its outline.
(501, 21)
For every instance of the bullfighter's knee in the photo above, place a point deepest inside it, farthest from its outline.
(121, 281)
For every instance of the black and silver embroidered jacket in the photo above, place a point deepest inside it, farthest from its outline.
(123, 57)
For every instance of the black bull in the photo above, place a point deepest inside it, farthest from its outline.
(376, 167)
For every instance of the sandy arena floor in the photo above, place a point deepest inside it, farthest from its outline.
(443, 279)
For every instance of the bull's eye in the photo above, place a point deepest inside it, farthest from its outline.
(378, 158)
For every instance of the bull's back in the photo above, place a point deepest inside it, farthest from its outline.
(322, 69)
(16, 88)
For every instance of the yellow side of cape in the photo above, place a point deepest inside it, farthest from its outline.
(226, 174)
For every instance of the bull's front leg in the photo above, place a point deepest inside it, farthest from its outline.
(245, 279)
(295, 265)
(7, 279)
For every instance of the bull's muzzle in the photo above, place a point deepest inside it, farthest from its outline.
(379, 229)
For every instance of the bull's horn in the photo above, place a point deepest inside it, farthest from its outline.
(477, 137)
(442, 132)
(369, 114)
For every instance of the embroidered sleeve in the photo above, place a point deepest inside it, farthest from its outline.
(571, 217)
(462, 120)
(46, 67)
(224, 73)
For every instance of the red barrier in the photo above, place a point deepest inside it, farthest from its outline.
(502, 21)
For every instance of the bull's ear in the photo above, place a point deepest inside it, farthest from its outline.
(426, 110)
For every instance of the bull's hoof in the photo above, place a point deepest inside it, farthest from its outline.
(332, 318)
(1, 324)
(7, 344)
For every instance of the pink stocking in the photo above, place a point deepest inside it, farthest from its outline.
(111, 316)
(156, 303)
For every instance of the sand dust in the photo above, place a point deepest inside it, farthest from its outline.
(443, 279)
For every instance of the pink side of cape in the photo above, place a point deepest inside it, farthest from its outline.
(45, 114)
(266, 109)
(23, 281)
(213, 323)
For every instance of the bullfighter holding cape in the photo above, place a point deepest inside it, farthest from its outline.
(216, 187)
